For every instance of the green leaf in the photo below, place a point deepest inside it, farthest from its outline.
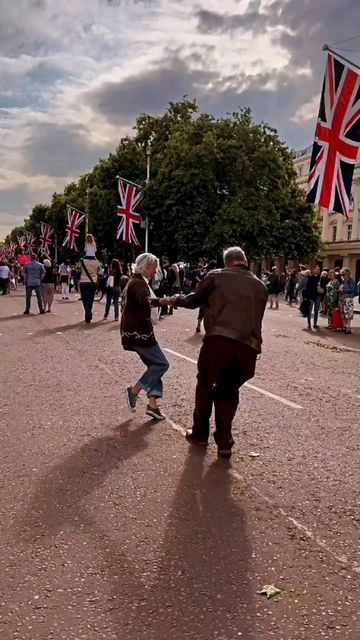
(270, 591)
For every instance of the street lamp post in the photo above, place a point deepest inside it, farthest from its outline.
(148, 163)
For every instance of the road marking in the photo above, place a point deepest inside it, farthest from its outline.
(342, 559)
(273, 396)
(59, 333)
(103, 366)
(343, 348)
(30, 334)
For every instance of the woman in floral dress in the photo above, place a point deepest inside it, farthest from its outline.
(331, 296)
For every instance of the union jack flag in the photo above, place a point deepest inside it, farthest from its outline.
(75, 218)
(11, 249)
(45, 238)
(127, 212)
(337, 138)
(30, 240)
(21, 242)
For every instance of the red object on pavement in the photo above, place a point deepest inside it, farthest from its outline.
(336, 320)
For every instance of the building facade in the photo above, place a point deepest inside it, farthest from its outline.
(340, 237)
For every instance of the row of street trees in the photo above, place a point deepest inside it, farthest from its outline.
(214, 183)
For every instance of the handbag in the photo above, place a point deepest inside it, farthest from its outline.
(304, 307)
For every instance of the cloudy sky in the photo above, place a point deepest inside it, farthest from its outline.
(74, 74)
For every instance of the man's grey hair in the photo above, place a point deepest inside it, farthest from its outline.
(234, 255)
(144, 261)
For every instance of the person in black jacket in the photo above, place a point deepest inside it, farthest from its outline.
(113, 290)
(312, 293)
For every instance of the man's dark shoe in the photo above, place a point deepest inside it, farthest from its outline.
(42, 311)
(224, 453)
(131, 399)
(26, 313)
(191, 438)
(155, 413)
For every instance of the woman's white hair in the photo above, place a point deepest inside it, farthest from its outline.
(144, 261)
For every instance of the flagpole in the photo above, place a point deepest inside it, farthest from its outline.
(148, 163)
(87, 213)
(338, 55)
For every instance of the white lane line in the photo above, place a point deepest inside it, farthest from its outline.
(103, 366)
(288, 403)
(180, 355)
(342, 559)
(30, 334)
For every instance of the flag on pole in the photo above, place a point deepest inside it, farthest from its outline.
(11, 249)
(75, 218)
(30, 241)
(45, 238)
(21, 242)
(127, 212)
(337, 138)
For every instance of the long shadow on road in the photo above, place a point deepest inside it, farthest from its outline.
(198, 585)
(202, 588)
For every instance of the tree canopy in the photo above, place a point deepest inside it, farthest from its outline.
(214, 183)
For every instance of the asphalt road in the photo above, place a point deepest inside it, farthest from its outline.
(113, 527)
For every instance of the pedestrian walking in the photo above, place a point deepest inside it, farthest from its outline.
(235, 301)
(33, 273)
(65, 272)
(89, 274)
(5, 276)
(324, 279)
(113, 289)
(331, 297)
(139, 312)
(48, 286)
(291, 287)
(16, 273)
(312, 294)
(273, 288)
(347, 292)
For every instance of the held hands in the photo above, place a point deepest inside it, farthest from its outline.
(170, 301)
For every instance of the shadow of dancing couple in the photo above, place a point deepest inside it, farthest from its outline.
(198, 585)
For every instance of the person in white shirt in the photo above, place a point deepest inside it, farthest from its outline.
(5, 276)
(65, 272)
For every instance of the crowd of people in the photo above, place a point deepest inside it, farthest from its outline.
(329, 292)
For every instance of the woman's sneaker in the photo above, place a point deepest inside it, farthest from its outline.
(155, 413)
(131, 399)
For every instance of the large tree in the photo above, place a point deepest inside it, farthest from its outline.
(214, 182)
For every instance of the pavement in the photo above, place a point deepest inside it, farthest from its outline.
(112, 526)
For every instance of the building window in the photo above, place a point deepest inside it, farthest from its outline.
(334, 231)
(351, 203)
(349, 231)
(300, 172)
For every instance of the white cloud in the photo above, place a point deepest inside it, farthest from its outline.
(74, 75)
